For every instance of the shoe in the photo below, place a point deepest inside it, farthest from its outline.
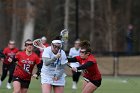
(74, 85)
(0, 83)
(8, 86)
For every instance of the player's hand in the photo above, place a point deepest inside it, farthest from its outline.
(10, 59)
(2, 59)
(58, 55)
(74, 69)
(55, 78)
(35, 76)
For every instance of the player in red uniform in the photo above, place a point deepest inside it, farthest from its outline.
(44, 42)
(27, 59)
(91, 73)
(8, 62)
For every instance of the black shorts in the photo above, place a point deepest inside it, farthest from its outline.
(97, 83)
(24, 83)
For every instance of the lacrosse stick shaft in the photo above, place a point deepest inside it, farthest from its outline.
(25, 70)
(71, 68)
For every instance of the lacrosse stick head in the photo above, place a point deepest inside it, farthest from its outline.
(64, 38)
(64, 35)
(38, 44)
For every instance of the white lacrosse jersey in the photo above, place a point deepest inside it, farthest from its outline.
(47, 72)
(72, 53)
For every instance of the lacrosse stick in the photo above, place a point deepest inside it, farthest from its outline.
(38, 44)
(64, 38)
(71, 68)
(25, 70)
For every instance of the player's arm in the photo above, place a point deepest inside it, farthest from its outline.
(2, 54)
(39, 66)
(85, 66)
(72, 59)
(48, 61)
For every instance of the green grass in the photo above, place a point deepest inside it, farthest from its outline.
(109, 85)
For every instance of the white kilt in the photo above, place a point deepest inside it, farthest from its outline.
(45, 78)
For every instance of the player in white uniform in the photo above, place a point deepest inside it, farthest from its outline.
(75, 51)
(52, 72)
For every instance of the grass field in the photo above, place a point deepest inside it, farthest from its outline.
(109, 85)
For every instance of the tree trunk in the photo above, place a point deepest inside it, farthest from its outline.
(14, 23)
(92, 22)
(109, 24)
(66, 21)
(29, 23)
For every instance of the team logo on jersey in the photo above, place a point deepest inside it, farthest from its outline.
(12, 54)
(27, 61)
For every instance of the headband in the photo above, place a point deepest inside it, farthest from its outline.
(56, 41)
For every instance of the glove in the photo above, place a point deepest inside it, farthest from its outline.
(58, 55)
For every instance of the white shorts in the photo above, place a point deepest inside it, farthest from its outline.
(48, 79)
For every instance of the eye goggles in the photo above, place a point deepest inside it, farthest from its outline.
(83, 52)
(56, 46)
(28, 44)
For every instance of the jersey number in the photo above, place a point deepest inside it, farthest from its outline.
(26, 67)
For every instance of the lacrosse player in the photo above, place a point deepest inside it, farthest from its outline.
(75, 51)
(52, 72)
(8, 63)
(26, 60)
(91, 73)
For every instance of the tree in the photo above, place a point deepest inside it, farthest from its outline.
(29, 22)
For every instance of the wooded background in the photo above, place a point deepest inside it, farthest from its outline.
(103, 22)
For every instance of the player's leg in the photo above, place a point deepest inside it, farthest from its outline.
(24, 90)
(75, 78)
(46, 88)
(84, 84)
(11, 70)
(17, 87)
(24, 85)
(4, 72)
(89, 87)
(58, 89)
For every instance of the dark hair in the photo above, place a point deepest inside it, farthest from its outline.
(58, 38)
(28, 40)
(85, 45)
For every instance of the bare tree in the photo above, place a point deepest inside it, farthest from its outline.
(92, 21)
(109, 23)
(14, 23)
(29, 22)
(66, 21)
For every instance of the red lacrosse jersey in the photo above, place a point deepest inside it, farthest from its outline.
(25, 65)
(91, 73)
(9, 53)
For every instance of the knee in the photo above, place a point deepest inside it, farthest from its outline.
(16, 91)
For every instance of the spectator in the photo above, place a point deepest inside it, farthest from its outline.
(129, 38)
